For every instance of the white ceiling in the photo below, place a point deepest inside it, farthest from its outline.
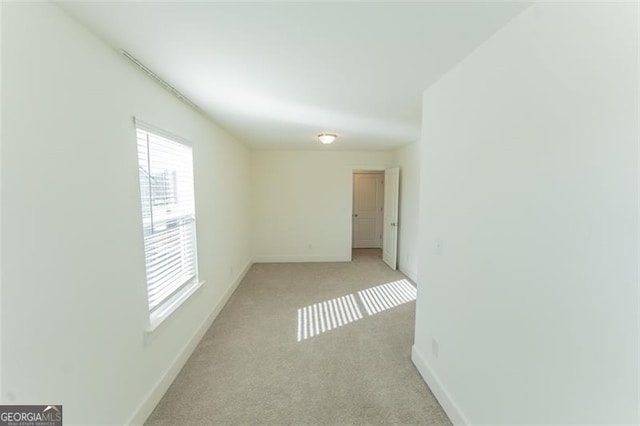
(276, 74)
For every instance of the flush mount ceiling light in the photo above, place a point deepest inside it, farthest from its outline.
(327, 138)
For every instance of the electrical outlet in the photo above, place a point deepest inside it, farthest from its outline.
(434, 347)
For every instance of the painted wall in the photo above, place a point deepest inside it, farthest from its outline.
(530, 179)
(73, 281)
(408, 159)
(302, 203)
(1, 186)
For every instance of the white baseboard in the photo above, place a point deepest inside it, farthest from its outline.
(144, 410)
(410, 274)
(300, 258)
(450, 407)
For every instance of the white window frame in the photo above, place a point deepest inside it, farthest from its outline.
(184, 291)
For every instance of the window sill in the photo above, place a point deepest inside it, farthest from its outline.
(158, 317)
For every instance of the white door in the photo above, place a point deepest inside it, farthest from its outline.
(368, 194)
(390, 232)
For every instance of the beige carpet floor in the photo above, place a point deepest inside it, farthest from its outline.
(250, 367)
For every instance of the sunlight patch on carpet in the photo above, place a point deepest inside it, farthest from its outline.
(328, 315)
(386, 296)
(334, 313)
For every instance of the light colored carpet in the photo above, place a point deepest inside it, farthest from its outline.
(250, 367)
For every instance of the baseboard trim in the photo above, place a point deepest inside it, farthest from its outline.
(410, 274)
(299, 258)
(144, 410)
(450, 407)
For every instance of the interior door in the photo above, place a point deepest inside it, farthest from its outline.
(390, 227)
(368, 194)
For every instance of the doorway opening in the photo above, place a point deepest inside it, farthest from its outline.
(368, 210)
(366, 254)
(374, 215)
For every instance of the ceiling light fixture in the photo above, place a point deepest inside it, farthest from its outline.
(327, 138)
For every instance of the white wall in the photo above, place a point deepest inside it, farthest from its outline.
(1, 327)
(74, 301)
(408, 159)
(530, 177)
(302, 202)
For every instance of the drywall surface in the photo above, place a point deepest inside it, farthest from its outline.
(74, 305)
(528, 302)
(302, 202)
(1, 381)
(408, 159)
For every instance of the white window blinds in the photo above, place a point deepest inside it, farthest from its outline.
(168, 216)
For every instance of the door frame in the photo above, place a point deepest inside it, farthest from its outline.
(362, 169)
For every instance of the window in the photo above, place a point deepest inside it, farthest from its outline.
(168, 219)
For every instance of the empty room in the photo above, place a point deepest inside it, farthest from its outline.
(318, 212)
